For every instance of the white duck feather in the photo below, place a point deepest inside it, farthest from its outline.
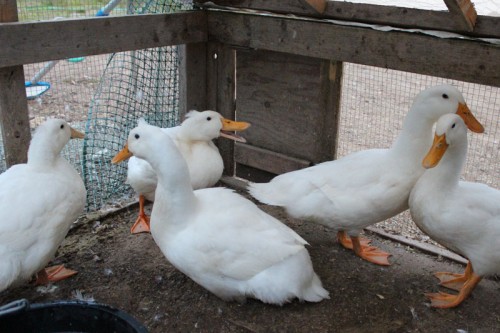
(218, 238)
(38, 202)
(193, 138)
(462, 216)
(369, 186)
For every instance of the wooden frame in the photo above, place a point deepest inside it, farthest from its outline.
(466, 60)
(486, 26)
(209, 82)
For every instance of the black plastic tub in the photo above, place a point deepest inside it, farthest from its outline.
(66, 316)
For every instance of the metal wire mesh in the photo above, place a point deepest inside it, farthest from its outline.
(374, 103)
(103, 95)
(135, 84)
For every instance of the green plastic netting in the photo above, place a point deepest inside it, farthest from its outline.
(104, 95)
(135, 84)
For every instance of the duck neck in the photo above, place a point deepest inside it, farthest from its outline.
(415, 137)
(174, 189)
(41, 154)
(447, 173)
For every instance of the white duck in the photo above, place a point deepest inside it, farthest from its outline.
(369, 186)
(38, 202)
(463, 216)
(194, 140)
(218, 238)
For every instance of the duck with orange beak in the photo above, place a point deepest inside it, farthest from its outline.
(369, 186)
(462, 216)
(194, 139)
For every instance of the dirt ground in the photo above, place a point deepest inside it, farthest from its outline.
(129, 272)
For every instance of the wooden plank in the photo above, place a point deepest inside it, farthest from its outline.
(267, 160)
(317, 5)
(333, 94)
(286, 96)
(464, 12)
(14, 114)
(192, 78)
(212, 75)
(221, 89)
(465, 60)
(486, 26)
(24, 43)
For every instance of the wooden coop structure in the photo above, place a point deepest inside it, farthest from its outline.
(275, 63)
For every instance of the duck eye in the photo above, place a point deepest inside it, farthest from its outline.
(445, 96)
(209, 118)
(137, 136)
(453, 126)
(62, 126)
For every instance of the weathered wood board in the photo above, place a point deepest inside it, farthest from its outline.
(14, 116)
(24, 43)
(465, 60)
(486, 26)
(288, 99)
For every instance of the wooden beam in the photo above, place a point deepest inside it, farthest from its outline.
(267, 160)
(466, 60)
(464, 12)
(486, 26)
(14, 115)
(24, 43)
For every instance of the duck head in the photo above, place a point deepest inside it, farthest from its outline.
(443, 99)
(450, 130)
(209, 125)
(51, 137)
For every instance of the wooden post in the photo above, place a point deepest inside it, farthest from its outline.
(193, 88)
(464, 12)
(221, 85)
(14, 115)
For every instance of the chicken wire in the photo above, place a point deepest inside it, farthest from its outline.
(374, 103)
(104, 95)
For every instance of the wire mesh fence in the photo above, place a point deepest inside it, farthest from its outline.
(105, 95)
(102, 95)
(374, 103)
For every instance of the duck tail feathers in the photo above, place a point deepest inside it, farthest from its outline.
(266, 193)
(315, 292)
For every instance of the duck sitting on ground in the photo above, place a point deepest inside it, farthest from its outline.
(462, 216)
(194, 140)
(218, 238)
(38, 202)
(369, 186)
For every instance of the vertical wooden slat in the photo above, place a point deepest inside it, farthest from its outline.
(211, 75)
(332, 108)
(221, 85)
(226, 100)
(193, 88)
(14, 115)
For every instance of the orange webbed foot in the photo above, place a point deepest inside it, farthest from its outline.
(362, 249)
(141, 225)
(453, 280)
(346, 241)
(374, 255)
(53, 274)
(142, 222)
(444, 300)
